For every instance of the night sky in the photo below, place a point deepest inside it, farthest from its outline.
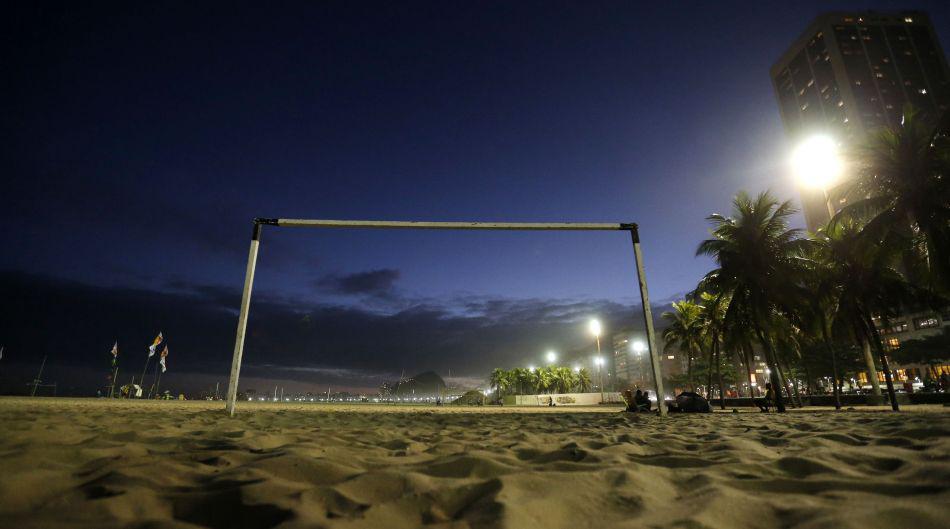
(140, 139)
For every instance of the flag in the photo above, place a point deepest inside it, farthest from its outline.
(115, 353)
(151, 348)
(162, 361)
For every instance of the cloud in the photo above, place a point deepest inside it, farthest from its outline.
(379, 283)
(75, 324)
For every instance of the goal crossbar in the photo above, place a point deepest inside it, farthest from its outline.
(259, 223)
(425, 225)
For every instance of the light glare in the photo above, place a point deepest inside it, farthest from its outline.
(594, 327)
(816, 162)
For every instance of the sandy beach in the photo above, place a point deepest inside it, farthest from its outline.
(97, 463)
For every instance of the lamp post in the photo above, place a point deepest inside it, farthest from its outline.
(599, 362)
(595, 329)
(638, 348)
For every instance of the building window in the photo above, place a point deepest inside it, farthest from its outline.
(897, 328)
(670, 357)
(892, 342)
(926, 322)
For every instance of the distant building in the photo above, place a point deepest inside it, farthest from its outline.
(850, 73)
(630, 368)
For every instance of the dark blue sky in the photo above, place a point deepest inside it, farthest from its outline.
(141, 139)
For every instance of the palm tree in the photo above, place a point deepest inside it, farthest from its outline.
(584, 383)
(713, 324)
(501, 380)
(685, 332)
(546, 379)
(901, 189)
(760, 261)
(524, 380)
(565, 378)
(866, 284)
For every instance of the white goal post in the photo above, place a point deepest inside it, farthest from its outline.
(378, 224)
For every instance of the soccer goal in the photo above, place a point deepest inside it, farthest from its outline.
(259, 223)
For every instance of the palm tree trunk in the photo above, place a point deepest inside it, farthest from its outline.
(689, 369)
(834, 363)
(784, 380)
(709, 373)
(787, 367)
(876, 338)
(722, 389)
(737, 360)
(770, 360)
(872, 369)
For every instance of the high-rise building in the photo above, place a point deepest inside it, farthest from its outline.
(850, 73)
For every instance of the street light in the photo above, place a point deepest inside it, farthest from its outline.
(599, 362)
(551, 356)
(595, 329)
(817, 165)
(638, 348)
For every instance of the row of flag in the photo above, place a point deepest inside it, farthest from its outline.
(151, 351)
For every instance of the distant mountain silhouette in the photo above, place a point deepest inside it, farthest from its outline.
(427, 384)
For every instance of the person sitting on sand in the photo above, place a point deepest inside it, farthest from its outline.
(633, 402)
(643, 400)
(766, 402)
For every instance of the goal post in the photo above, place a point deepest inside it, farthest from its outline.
(259, 223)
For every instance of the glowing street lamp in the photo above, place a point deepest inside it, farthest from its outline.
(599, 362)
(638, 348)
(531, 368)
(551, 356)
(596, 329)
(817, 164)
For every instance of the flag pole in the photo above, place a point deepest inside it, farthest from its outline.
(115, 374)
(144, 369)
(37, 380)
(154, 380)
(158, 383)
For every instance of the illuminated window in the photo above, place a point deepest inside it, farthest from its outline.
(892, 342)
(899, 327)
(909, 20)
(670, 357)
(926, 322)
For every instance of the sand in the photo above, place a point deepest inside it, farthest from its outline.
(96, 463)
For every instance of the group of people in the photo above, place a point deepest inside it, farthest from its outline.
(637, 402)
